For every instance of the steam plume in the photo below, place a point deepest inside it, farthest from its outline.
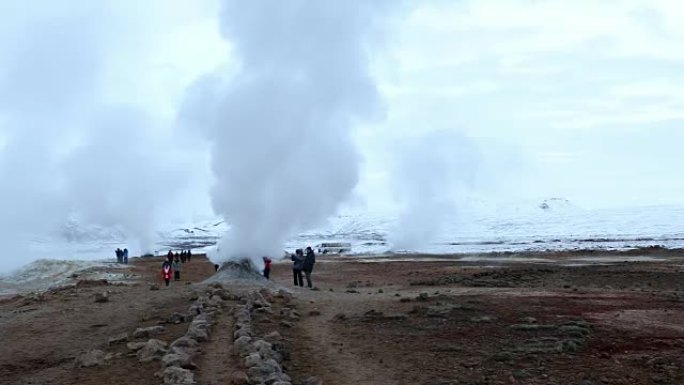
(280, 130)
(431, 174)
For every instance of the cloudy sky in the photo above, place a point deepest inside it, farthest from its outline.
(514, 100)
(578, 99)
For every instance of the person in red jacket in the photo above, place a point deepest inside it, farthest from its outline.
(166, 272)
(267, 267)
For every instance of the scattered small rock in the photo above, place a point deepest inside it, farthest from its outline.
(178, 357)
(90, 359)
(184, 342)
(519, 374)
(102, 297)
(135, 346)
(253, 359)
(118, 339)
(314, 313)
(154, 287)
(239, 378)
(273, 336)
(153, 350)
(177, 318)
(148, 331)
(174, 375)
(423, 297)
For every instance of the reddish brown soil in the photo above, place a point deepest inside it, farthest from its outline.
(415, 322)
(634, 314)
(42, 336)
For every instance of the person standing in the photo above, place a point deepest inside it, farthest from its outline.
(267, 267)
(308, 265)
(189, 254)
(176, 265)
(125, 256)
(119, 255)
(297, 266)
(166, 272)
(169, 257)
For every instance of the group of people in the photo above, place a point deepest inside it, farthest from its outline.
(121, 255)
(173, 263)
(303, 262)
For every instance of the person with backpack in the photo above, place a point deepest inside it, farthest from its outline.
(166, 272)
(308, 265)
(267, 267)
(297, 266)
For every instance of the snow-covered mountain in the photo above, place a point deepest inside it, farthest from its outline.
(551, 224)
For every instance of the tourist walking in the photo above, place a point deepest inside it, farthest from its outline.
(166, 272)
(309, 261)
(267, 267)
(297, 266)
(176, 265)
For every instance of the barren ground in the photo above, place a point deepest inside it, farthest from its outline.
(411, 322)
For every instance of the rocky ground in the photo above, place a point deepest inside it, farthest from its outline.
(401, 322)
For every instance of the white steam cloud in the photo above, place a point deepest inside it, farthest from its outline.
(67, 148)
(430, 175)
(280, 128)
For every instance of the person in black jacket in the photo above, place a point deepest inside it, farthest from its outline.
(309, 261)
(297, 267)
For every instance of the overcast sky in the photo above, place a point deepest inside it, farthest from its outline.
(582, 100)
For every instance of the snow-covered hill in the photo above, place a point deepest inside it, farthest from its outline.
(552, 224)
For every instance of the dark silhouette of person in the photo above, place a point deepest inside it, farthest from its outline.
(297, 267)
(309, 261)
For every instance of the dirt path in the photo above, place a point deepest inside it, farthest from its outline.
(218, 362)
(319, 350)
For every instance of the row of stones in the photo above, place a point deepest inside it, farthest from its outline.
(177, 362)
(261, 357)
